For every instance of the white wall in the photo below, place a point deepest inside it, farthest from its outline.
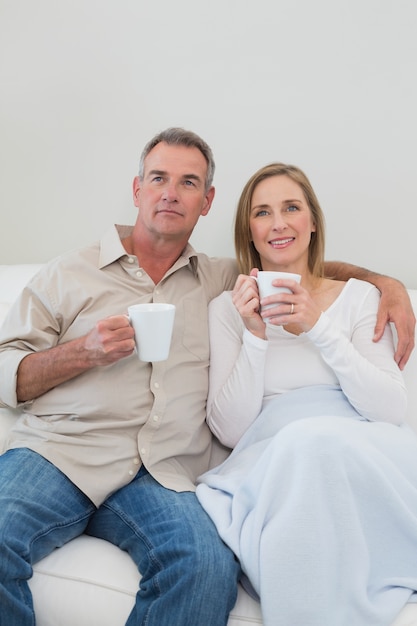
(328, 85)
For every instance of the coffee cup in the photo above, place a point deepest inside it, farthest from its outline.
(153, 323)
(266, 288)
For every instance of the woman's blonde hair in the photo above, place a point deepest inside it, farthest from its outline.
(246, 253)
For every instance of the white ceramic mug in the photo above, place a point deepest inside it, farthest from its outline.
(266, 288)
(153, 323)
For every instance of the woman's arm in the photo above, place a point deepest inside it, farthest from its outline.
(395, 305)
(366, 371)
(237, 364)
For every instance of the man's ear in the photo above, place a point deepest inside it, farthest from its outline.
(208, 201)
(136, 190)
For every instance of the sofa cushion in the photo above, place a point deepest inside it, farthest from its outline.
(104, 581)
(89, 579)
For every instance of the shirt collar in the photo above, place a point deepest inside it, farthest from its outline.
(112, 249)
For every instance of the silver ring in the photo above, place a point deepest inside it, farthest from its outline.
(292, 308)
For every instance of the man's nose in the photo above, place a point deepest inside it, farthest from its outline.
(170, 193)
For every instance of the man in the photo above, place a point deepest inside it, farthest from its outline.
(121, 465)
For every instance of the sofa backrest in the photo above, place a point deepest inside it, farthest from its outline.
(12, 280)
(14, 277)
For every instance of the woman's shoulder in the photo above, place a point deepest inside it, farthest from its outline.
(353, 292)
(223, 298)
(221, 303)
(358, 295)
(362, 287)
(222, 311)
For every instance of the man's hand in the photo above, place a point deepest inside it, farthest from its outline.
(109, 341)
(395, 307)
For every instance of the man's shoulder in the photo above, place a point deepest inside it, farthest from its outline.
(60, 269)
(75, 257)
(218, 273)
(217, 264)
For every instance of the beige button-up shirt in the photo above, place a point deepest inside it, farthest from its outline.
(99, 427)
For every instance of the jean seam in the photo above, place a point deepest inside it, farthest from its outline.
(156, 562)
(52, 527)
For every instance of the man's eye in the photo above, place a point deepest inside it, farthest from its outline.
(189, 183)
(157, 179)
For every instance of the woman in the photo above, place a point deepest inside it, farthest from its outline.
(318, 499)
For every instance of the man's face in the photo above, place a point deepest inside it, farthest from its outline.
(172, 196)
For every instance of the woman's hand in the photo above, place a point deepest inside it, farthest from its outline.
(297, 307)
(245, 296)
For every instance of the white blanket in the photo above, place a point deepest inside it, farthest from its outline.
(320, 506)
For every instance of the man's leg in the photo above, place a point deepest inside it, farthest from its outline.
(40, 509)
(188, 575)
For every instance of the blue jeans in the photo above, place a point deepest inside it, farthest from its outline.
(188, 575)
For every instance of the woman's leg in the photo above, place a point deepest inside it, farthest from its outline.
(330, 528)
(40, 509)
(188, 575)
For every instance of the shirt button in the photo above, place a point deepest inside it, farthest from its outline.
(155, 418)
(131, 472)
(157, 292)
(139, 274)
(130, 260)
(143, 451)
(156, 385)
(136, 461)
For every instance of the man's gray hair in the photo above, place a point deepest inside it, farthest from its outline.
(181, 137)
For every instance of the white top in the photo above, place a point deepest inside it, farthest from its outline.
(247, 372)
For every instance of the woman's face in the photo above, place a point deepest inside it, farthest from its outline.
(281, 224)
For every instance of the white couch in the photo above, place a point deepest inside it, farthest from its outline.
(89, 582)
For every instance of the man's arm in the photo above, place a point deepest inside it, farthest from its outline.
(395, 305)
(109, 341)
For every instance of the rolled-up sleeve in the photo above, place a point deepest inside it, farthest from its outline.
(30, 326)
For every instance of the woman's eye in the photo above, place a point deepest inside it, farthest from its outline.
(261, 213)
(292, 208)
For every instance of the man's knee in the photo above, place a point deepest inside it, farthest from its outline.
(213, 558)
